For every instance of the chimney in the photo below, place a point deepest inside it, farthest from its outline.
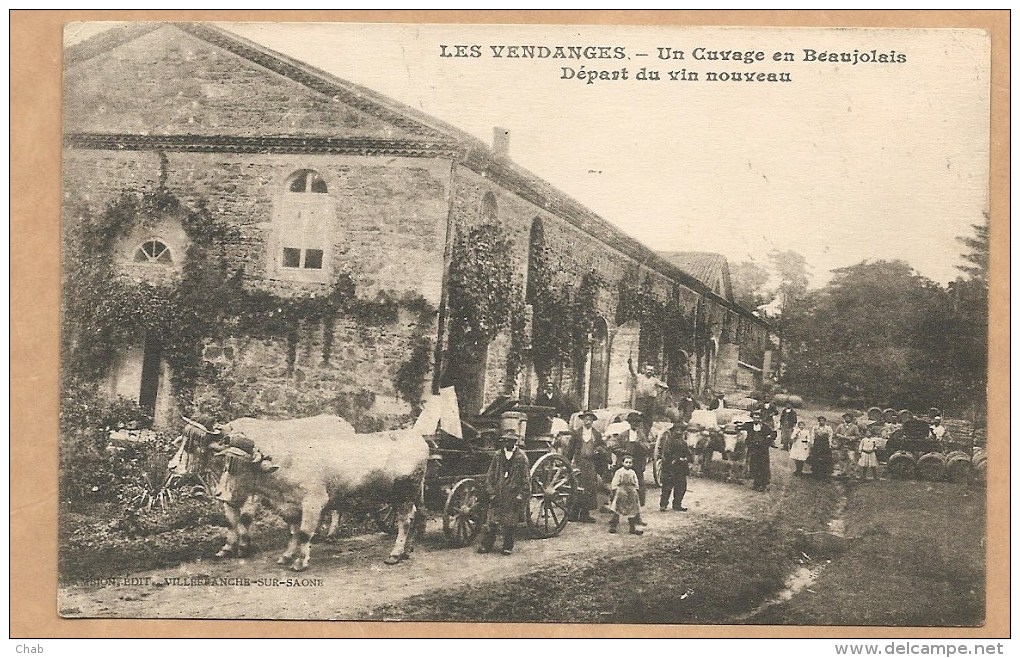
(501, 142)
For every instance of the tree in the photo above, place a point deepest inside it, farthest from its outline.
(979, 247)
(749, 279)
(791, 272)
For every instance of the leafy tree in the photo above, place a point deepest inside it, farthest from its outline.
(791, 272)
(749, 280)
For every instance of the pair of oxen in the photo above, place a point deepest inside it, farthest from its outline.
(303, 468)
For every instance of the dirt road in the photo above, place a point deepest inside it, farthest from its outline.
(348, 580)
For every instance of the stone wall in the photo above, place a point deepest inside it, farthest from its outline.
(277, 378)
(389, 235)
(389, 230)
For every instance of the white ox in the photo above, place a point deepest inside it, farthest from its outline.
(306, 465)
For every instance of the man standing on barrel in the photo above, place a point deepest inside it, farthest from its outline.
(646, 392)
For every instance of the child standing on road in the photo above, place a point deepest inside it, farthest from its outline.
(800, 447)
(625, 497)
(869, 458)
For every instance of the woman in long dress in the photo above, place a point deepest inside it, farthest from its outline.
(821, 449)
(626, 502)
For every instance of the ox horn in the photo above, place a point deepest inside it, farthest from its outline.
(195, 423)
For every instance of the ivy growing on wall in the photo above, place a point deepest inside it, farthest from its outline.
(563, 316)
(482, 294)
(105, 312)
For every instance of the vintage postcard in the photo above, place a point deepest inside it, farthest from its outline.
(524, 323)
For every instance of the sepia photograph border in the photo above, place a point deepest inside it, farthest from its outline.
(36, 43)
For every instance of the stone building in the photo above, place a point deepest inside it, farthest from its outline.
(323, 180)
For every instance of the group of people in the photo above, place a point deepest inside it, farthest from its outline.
(623, 461)
(826, 448)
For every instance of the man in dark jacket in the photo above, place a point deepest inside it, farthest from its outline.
(686, 406)
(760, 436)
(508, 484)
(676, 460)
(788, 421)
(769, 411)
(586, 451)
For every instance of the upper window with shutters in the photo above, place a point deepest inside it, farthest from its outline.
(303, 218)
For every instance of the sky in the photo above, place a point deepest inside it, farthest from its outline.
(844, 163)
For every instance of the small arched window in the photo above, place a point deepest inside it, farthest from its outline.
(153, 250)
(489, 207)
(306, 181)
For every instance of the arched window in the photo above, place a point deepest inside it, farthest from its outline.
(303, 220)
(306, 181)
(489, 207)
(153, 250)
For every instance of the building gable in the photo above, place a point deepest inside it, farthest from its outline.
(710, 268)
(187, 79)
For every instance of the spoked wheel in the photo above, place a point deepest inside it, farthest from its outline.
(463, 514)
(553, 487)
(386, 519)
(657, 460)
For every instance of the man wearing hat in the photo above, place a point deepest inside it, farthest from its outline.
(676, 460)
(508, 485)
(848, 437)
(938, 430)
(587, 452)
(760, 436)
(718, 403)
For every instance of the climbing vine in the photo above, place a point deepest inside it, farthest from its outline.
(563, 317)
(105, 312)
(481, 292)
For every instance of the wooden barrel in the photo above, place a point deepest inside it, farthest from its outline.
(981, 471)
(781, 399)
(958, 466)
(797, 401)
(514, 421)
(901, 465)
(980, 455)
(875, 415)
(932, 467)
(904, 415)
(891, 416)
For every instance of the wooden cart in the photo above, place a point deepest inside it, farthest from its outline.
(455, 483)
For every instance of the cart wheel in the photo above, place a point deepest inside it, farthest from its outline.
(657, 460)
(901, 465)
(386, 519)
(462, 515)
(553, 487)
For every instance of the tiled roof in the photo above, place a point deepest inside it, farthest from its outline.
(704, 266)
(477, 154)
